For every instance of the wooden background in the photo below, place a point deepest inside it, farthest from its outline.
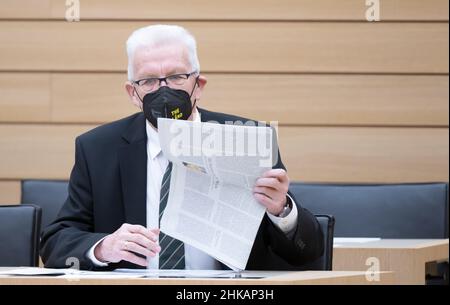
(357, 101)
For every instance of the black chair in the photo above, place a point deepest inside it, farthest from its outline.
(20, 227)
(325, 262)
(374, 210)
(49, 195)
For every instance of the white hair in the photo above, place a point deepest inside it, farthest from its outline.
(161, 34)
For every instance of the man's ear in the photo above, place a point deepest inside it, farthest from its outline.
(132, 94)
(201, 83)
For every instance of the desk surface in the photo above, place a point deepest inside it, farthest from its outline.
(406, 257)
(274, 278)
(392, 243)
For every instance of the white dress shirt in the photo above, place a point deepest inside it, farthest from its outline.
(156, 166)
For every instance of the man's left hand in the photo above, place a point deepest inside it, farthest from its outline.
(271, 189)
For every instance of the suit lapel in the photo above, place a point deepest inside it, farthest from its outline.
(133, 170)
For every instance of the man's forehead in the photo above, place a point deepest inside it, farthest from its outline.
(173, 58)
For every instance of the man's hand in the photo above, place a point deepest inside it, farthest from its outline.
(271, 189)
(125, 242)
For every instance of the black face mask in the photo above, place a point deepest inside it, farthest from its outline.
(167, 103)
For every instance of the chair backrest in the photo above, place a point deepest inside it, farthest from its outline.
(386, 211)
(20, 227)
(325, 262)
(49, 195)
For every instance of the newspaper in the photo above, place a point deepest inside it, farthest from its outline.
(211, 204)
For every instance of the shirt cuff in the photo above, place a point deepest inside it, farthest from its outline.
(90, 254)
(288, 222)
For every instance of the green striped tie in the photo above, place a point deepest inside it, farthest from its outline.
(172, 250)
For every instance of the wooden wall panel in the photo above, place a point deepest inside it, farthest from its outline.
(413, 100)
(430, 10)
(25, 97)
(357, 101)
(27, 9)
(332, 99)
(235, 46)
(339, 154)
(379, 155)
(88, 98)
(290, 99)
(9, 192)
(37, 151)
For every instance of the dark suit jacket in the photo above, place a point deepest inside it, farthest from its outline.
(108, 188)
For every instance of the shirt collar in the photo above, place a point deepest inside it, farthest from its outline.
(153, 144)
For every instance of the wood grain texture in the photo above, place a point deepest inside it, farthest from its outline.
(9, 192)
(37, 151)
(89, 98)
(412, 100)
(25, 97)
(406, 258)
(235, 46)
(430, 10)
(356, 101)
(313, 154)
(377, 155)
(285, 278)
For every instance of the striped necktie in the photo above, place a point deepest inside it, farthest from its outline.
(172, 250)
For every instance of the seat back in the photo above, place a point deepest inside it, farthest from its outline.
(386, 211)
(49, 195)
(20, 227)
(325, 262)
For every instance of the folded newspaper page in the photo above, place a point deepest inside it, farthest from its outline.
(211, 204)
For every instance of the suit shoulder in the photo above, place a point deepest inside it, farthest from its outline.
(226, 118)
(108, 131)
(222, 117)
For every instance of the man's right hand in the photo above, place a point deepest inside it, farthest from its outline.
(124, 243)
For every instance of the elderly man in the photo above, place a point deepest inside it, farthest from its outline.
(111, 216)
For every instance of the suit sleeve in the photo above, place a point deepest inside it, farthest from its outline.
(306, 245)
(71, 235)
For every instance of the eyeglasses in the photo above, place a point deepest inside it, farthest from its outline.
(151, 83)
